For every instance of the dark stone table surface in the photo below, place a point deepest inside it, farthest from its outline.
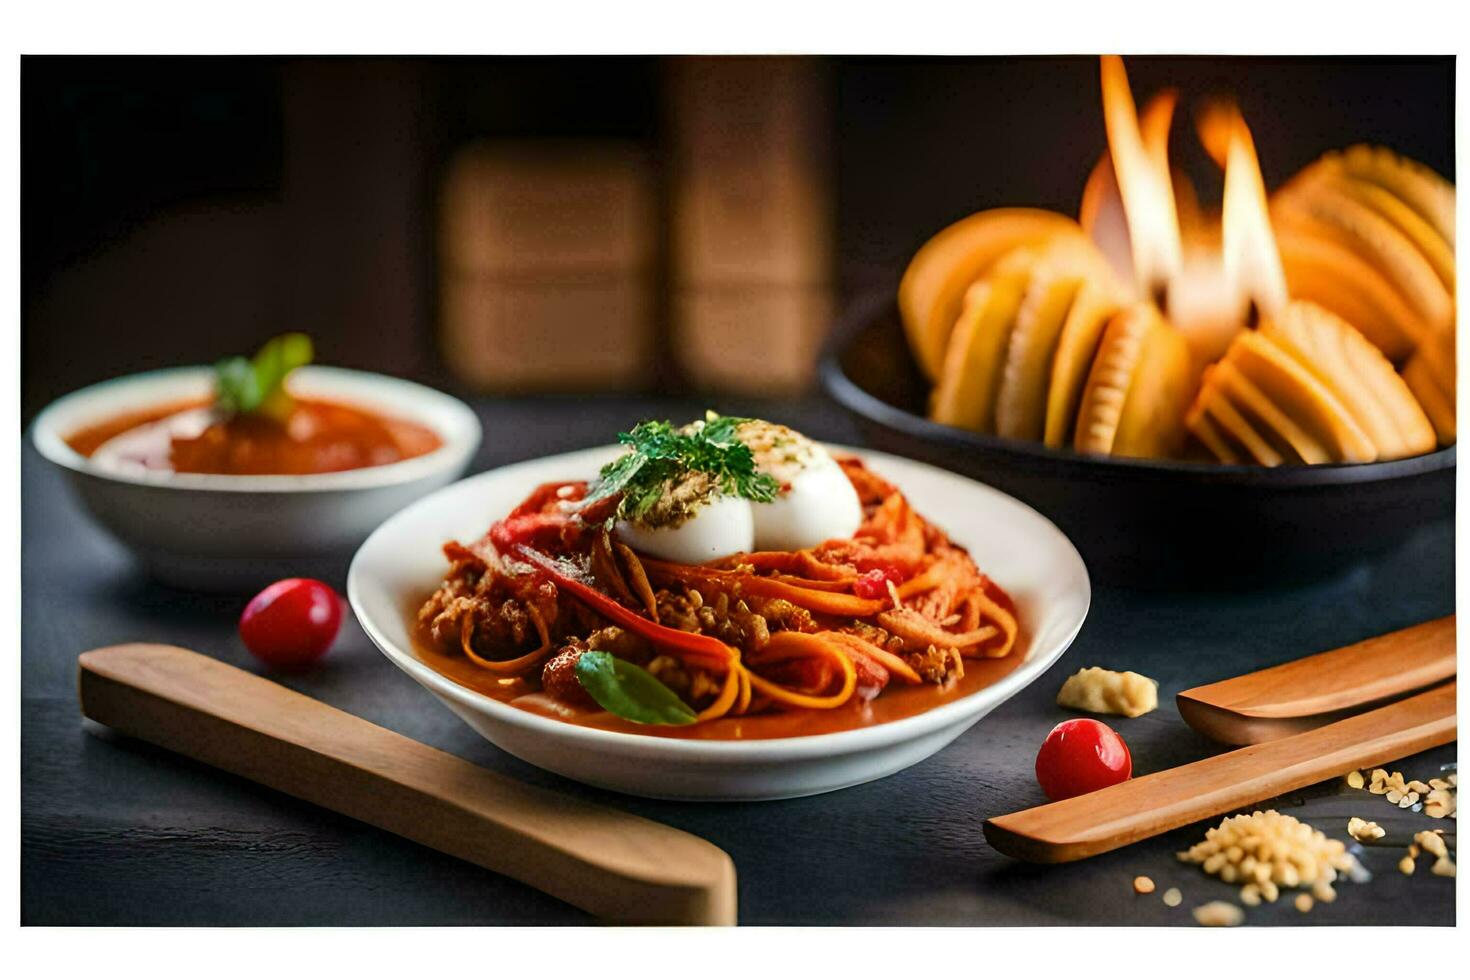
(118, 832)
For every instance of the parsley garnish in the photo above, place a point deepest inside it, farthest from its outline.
(661, 454)
(258, 384)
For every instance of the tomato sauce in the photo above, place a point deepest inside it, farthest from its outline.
(898, 700)
(317, 437)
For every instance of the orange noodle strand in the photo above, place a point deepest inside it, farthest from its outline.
(790, 645)
(916, 629)
(742, 583)
(742, 702)
(1003, 618)
(728, 694)
(895, 664)
(509, 668)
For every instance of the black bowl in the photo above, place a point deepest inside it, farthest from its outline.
(1147, 522)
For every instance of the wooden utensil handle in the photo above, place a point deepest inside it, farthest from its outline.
(1160, 801)
(615, 865)
(1306, 693)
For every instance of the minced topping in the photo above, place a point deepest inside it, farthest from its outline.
(778, 450)
(680, 500)
(670, 472)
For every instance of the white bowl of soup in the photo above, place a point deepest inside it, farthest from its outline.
(209, 506)
(753, 757)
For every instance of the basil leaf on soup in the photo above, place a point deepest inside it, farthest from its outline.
(235, 389)
(258, 385)
(629, 691)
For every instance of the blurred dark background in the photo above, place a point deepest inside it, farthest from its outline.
(178, 209)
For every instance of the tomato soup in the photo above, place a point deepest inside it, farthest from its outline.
(317, 437)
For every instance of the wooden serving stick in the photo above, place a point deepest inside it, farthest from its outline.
(1131, 811)
(1316, 690)
(618, 866)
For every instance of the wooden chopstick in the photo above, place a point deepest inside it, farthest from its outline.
(615, 865)
(1313, 691)
(1152, 804)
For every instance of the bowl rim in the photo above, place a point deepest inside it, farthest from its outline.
(796, 747)
(859, 401)
(453, 421)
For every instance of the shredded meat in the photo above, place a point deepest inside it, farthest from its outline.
(917, 631)
(936, 665)
(497, 606)
(745, 623)
(559, 678)
(942, 666)
(695, 686)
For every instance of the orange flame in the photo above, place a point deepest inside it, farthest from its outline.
(1102, 214)
(1252, 262)
(1140, 157)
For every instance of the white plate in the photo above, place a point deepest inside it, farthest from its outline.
(1023, 551)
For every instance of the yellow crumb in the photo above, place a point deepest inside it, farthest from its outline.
(1109, 692)
(1219, 914)
(1272, 851)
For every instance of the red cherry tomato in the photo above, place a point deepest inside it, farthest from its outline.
(292, 622)
(1079, 756)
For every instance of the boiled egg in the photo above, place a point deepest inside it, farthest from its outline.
(816, 502)
(715, 527)
(693, 522)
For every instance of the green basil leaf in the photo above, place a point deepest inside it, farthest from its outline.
(234, 385)
(630, 692)
(279, 357)
(243, 386)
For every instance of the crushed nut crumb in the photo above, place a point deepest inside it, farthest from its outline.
(1432, 842)
(1435, 798)
(1354, 779)
(1219, 914)
(1143, 885)
(1270, 849)
(1364, 831)
(1173, 897)
(1443, 867)
(1303, 902)
(1440, 801)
